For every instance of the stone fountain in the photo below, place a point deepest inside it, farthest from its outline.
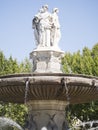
(47, 90)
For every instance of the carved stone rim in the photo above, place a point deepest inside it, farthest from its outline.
(48, 74)
(42, 86)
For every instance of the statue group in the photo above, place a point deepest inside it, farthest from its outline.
(46, 27)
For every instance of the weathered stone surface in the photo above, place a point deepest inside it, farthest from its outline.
(47, 114)
(81, 88)
(47, 60)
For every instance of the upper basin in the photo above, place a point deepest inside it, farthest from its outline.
(80, 88)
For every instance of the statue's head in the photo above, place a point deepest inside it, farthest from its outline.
(41, 10)
(55, 10)
(45, 7)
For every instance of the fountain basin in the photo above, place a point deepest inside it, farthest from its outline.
(45, 86)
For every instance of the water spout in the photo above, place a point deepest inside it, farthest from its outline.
(64, 84)
(6, 122)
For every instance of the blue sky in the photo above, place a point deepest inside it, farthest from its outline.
(78, 20)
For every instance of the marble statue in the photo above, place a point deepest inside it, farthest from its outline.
(46, 27)
(35, 26)
(42, 27)
(46, 57)
(55, 31)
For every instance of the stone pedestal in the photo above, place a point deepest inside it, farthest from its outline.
(47, 60)
(47, 115)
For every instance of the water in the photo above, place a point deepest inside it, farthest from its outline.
(89, 125)
(67, 91)
(64, 85)
(6, 123)
(26, 91)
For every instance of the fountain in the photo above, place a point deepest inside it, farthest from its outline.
(47, 90)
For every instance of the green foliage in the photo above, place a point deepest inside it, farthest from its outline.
(2, 63)
(8, 66)
(76, 62)
(85, 62)
(94, 54)
(11, 66)
(85, 112)
(66, 62)
(15, 112)
(25, 66)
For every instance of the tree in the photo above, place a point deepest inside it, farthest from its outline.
(76, 63)
(25, 66)
(12, 66)
(94, 54)
(2, 63)
(87, 62)
(13, 111)
(66, 63)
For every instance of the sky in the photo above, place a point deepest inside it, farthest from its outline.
(78, 20)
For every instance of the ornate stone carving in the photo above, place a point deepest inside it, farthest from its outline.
(46, 61)
(51, 124)
(30, 123)
(47, 115)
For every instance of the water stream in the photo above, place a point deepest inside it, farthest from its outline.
(26, 91)
(89, 125)
(7, 124)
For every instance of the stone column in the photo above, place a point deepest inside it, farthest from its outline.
(47, 115)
